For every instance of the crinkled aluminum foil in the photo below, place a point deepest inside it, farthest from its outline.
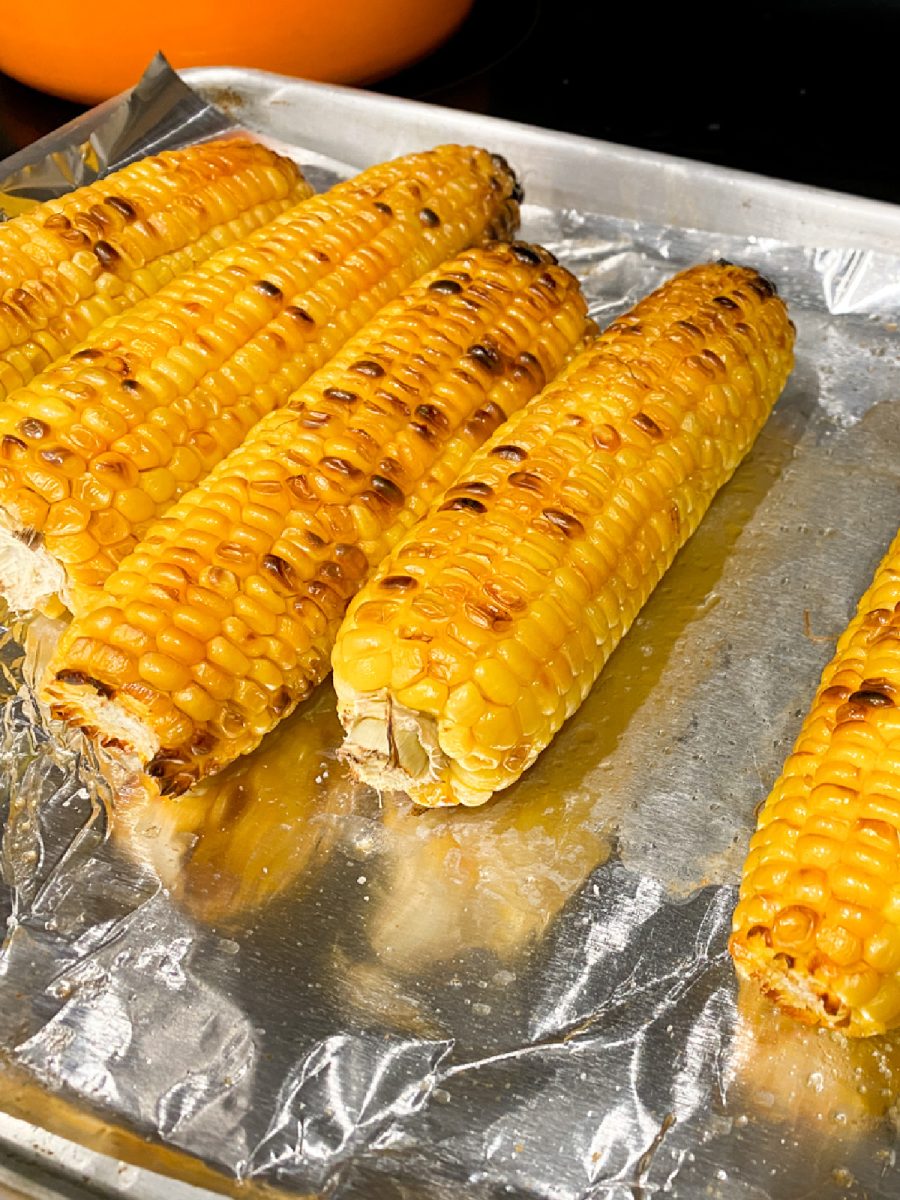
(305, 988)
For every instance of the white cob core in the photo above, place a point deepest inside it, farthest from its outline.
(29, 576)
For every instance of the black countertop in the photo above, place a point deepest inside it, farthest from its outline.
(802, 89)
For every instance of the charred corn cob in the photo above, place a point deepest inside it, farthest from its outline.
(68, 264)
(486, 627)
(224, 617)
(818, 922)
(106, 440)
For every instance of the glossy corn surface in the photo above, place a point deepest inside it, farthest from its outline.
(818, 922)
(224, 617)
(69, 264)
(98, 446)
(484, 630)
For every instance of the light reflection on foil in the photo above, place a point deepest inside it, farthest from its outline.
(304, 987)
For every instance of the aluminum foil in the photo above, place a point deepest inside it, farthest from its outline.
(299, 985)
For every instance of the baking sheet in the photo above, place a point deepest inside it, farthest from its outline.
(301, 987)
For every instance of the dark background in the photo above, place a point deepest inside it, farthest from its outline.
(803, 89)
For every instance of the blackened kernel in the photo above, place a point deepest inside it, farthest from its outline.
(433, 415)
(122, 207)
(690, 327)
(82, 679)
(429, 218)
(487, 356)
(565, 522)
(548, 281)
(271, 290)
(341, 394)
(476, 487)
(398, 583)
(763, 287)
(106, 255)
(314, 419)
(383, 208)
(446, 287)
(32, 428)
(871, 698)
(463, 503)
(365, 366)
(526, 254)
(724, 262)
(724, 302)
(713, 358)
(423, 431)
(132, 386)
(511, 453)
(387, 489)
(299, 314)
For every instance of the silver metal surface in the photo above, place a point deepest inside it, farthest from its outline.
(305, 989)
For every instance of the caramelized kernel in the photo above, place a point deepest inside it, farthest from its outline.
(433, 415)
(387, 490)
(122, 206)
(463, 503)
(487, 357)
(527, 480)
(565, 522)
(280, 569)
(398, 583)
(383, 208)
(527, 254)
(300, 315)
(107, 255)
(429, 217)
(725, 302)
(476, 488)
(341, 394)
(446, 287)
(81, 679)
(647, 425)
(872, 699)
(367, 367)
(605, 437)
(268, 289)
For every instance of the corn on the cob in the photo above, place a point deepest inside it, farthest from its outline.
(818, 922)
(68, 264)
(224, 617)
(486, 627)
(102, 443)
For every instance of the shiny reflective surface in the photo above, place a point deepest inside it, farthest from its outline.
(301, 986)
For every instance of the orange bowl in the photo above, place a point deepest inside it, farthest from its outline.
(90, 50)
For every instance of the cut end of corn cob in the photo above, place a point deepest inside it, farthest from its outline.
(817, 925)
(223, 618)
(106, 440)
(29, 576)
(397, 749)
(484, 629)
